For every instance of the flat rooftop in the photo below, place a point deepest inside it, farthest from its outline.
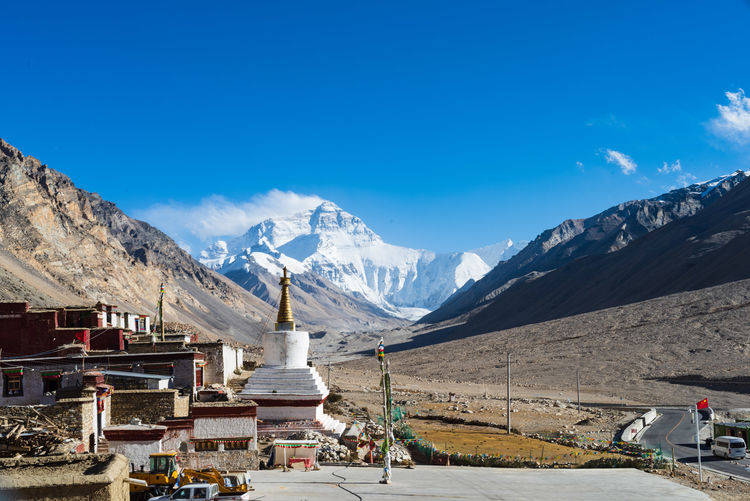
(456, 482)
(137, 375)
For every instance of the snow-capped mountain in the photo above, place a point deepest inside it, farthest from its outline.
(338, 246)
(501, 251)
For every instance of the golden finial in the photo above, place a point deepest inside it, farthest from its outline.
(285, 319)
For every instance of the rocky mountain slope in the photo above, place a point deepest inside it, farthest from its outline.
(574, 239)
(709, 248)
(62, 245)
(329, 242)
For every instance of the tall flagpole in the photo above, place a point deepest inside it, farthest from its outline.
(386, 385)
(698, 443)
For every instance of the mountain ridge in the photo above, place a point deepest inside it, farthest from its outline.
(605, 232)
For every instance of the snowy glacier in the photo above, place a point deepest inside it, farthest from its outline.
(338, 246)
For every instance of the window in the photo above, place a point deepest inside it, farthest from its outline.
(13, 385)
(50, 382)
(199, 493)
(206, 445)
(183, 493)
(235, 445)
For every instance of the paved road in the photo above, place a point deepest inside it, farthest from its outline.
(674, 429)
(464, 483)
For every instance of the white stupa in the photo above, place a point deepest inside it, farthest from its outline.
(289, 393)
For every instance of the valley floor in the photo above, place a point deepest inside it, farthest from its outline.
(673, 350)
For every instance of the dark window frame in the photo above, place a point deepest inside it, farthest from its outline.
(7, 391)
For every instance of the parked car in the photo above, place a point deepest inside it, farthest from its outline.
(729, 447)
(201, 492)
(707, 414)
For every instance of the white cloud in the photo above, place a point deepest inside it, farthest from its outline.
(579, 164)
(215, 216)
(606, 121)
(686, 179)
(626, 164)
(733, 122)
(666, 168)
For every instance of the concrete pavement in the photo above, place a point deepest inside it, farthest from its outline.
(455, 482)
(673, 429)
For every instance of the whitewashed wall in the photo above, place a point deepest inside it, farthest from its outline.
(137, 452)
(291, 413)
(223, 427)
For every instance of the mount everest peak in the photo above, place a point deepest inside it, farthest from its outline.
(338, 246)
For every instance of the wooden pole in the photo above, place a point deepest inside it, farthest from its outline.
(578, 388)
(508, 413)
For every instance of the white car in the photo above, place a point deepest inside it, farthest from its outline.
(201, 492)
(729, 447)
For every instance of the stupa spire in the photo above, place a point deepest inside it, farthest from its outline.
(285, 319)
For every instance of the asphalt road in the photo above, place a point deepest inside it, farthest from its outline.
(674, 429)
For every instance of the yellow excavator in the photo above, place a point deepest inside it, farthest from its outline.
(163, 474)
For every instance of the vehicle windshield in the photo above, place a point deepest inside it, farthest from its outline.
(161, 464)
(737, 445)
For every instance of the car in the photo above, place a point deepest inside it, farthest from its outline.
(201, 492)
(729, 447)
(707, 414)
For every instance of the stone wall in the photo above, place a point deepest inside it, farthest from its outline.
(150, 406)
(75, 417)
(222, 460)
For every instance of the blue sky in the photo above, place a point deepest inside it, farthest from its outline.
(444, 125)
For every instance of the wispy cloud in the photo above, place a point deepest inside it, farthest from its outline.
(579, 164)
(626, 164)
(193, 225)
(666, 168)
(686, 179)
(606, 121)
(733, 122)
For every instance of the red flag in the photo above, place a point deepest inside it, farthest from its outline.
(703, 404)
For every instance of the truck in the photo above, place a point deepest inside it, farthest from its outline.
(201, 492)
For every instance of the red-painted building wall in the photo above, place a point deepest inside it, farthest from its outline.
(30, 332)
(107, 338)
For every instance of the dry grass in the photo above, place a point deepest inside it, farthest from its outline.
(486, 440)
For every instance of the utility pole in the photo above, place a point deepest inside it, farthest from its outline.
(578, 388)
(329, 376)
(698, 442)
(161, 309)
(508, 413)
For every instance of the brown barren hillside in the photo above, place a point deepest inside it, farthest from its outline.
(674, 349)
(60, 244)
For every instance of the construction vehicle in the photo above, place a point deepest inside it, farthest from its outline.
(163, 474)
(229, 483)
